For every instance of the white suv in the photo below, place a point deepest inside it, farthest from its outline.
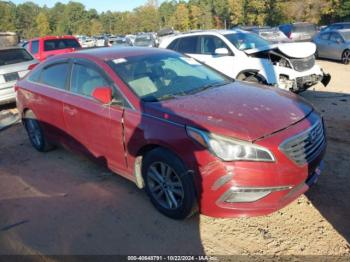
(246, 56)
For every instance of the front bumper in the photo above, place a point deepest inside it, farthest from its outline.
(245, 189)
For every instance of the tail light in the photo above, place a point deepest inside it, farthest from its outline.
(16, 88)
(289, 35)
(30, 67)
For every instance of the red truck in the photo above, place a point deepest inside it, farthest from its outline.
(44, 47)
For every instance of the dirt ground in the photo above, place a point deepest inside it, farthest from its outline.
(61, 203)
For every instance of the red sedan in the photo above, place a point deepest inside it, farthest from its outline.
(193, 138)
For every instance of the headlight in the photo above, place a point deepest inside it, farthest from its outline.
(229, 149)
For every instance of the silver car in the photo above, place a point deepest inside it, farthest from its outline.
(15, 62)
(334, 44)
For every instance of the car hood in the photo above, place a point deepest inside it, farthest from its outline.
(295, 50)
(240, 110)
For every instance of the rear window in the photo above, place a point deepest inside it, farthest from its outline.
(13, 56)
(56, 44)
(55, 75)
(304, 28)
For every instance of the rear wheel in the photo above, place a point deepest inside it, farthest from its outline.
(168, 184)
(35, 133)
(346, 57)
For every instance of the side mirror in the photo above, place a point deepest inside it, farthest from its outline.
(222, 51)
(103, 94)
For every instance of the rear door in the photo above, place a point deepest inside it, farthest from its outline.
(336, 46)
(322, 44)
(48, 88)
(88, 121)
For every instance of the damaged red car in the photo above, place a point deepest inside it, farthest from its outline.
(194, 139)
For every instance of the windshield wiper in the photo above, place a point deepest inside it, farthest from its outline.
(205, 87)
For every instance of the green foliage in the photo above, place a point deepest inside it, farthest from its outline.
(30, 20)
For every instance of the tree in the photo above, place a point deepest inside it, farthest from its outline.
(96, 27)
(166, 11)
(42, 24)
(180, 19)
(236, 11)
(7, 16)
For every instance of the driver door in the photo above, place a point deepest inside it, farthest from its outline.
(223, 63)
(88, 121)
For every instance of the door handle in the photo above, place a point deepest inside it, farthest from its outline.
(70, 110)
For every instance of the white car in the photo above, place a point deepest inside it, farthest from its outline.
(246, 56)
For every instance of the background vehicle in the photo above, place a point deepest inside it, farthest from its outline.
(334, 44)
(144, 113)
(145, 40)
(299, 31)
(119, 41)
(336, 26)
(245, 56)
(273, 35)
(15, 62)
(86, 41)
(8, 39)
(44, 47)
(101, 41)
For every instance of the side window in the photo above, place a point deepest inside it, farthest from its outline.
(324, 36)
(85, 79)
(335, 37)
(173, 45)
(35, 47)
(188, 45)
(35, 76)
(55, 75)
(210, 43)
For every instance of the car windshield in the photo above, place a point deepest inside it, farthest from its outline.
(13, 56)
(244, 41)
(346, 35)
(159, 77)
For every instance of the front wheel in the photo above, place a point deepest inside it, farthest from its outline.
(345, 58)
(169, 184)
(252, 78)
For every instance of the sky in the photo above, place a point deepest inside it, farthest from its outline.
(100, 6)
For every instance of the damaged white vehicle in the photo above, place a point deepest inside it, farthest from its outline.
(246, 56)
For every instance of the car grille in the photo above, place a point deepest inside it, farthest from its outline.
(306, 146)
(303, 64)
(11, 77)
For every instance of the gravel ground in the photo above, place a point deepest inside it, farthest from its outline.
(61, 203)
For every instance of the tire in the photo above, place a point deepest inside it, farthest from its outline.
(168, 184)
(345, 57)
(35, 133)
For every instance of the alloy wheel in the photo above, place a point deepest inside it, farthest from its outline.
(346, 57)
(34, 132)
(165, 185)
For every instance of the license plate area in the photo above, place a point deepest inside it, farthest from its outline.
(11, 77)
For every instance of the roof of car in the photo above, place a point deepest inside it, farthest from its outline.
(108, 53)
(49, 37)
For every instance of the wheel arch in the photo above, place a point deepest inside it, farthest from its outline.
(253, 72)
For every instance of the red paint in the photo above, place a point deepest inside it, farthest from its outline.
(117, 134)
(103, 94)
(41, 54)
